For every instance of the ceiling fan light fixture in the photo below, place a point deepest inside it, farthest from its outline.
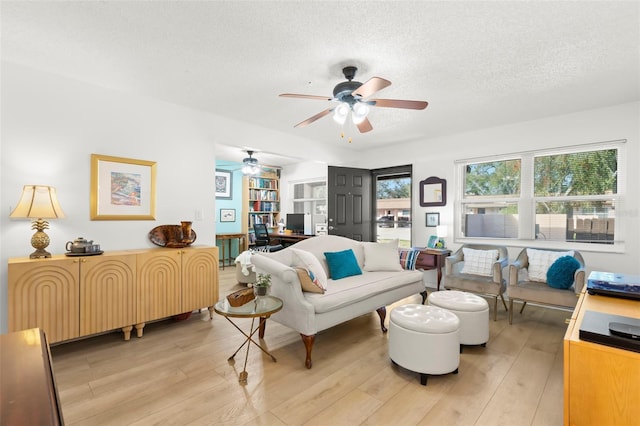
(340, 113)
(249, 169)
(360, 112)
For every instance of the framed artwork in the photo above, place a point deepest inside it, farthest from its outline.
(122, 188)
(223, 184)
(433, 219)
(227, 215)
(433, 240)
(433, 192)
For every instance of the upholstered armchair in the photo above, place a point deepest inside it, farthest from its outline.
(477, 268)
(526, 277)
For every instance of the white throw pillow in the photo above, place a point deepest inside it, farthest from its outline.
(478, 262)
(541, 260)
(381, 256)
(311, 263)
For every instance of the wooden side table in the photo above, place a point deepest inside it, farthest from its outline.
(261, 307)
(601, 383)
(431, 258)
(225, 240)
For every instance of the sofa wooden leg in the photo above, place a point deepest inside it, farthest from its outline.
(382, 313)
(308, 345)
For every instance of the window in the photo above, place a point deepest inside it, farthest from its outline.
(567, 195)
(311, 198)
(393, 204)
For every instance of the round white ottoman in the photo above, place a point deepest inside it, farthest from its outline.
(424, 339)
(471, 309)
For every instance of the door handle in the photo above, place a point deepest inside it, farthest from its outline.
(331, 228)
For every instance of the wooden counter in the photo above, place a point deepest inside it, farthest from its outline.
(27, 386)
(601, 383)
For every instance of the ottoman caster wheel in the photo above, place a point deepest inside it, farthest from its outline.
(484, 345)
(455, 371)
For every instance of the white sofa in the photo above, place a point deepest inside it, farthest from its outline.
(344, 299)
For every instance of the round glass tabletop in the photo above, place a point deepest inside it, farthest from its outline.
(258, 307)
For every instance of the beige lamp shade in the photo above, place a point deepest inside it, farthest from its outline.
(38, 201)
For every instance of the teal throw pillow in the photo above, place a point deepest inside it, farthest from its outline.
(560, 273)
(342, 264)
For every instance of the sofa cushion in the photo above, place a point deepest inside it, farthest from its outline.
(478, 262)
(541, 260)
(308, 281)
(310, 263)
(342, 264)
(561, 272)
(351, 290)
(381, 256)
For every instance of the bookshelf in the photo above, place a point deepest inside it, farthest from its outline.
(261, 201)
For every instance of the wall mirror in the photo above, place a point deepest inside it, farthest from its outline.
(433, 192)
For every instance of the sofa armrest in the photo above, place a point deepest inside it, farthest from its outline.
(297, 313)
(498, 265)
(513, 272)
(579, 280)
(449, 261)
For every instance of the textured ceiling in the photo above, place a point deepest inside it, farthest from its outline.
(478, 64)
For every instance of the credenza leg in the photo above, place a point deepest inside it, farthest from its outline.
(139, 328)
(127, 332)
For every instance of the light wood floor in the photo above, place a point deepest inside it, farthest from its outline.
(178, 374)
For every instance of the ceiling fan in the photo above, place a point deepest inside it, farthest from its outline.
(251, 166)
(353, 98)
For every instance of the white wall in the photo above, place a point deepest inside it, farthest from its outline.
(50, 127)
(436, 157)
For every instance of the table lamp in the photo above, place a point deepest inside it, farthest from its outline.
(38, 202)
(441, 232)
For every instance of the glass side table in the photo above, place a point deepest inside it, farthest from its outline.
(261, 307)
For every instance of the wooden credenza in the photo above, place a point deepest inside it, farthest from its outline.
(72, 297)
(601, 383)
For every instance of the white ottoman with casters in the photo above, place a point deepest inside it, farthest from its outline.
(471, 309)
(424, 339)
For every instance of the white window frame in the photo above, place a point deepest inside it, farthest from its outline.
(526, 201)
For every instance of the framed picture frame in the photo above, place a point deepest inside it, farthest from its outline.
(433, 240)
(122, 188)
(432, 219)
(433, 192)
(224, 184)
(227, 215)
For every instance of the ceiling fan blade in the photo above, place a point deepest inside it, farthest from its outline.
(398, 103)
(371, 86)
(365, 126)
(314, 118)
(295, 95)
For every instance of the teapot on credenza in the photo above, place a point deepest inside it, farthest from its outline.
(80, 245)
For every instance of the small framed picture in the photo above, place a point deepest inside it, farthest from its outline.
(227, 215)
(433, 219)
(223, 184)
(433, 240)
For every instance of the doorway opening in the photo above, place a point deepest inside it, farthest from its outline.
(392, 204)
